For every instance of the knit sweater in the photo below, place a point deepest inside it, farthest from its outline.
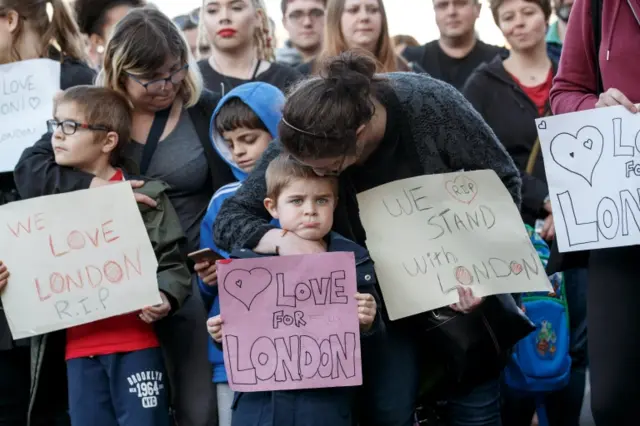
(434, 129)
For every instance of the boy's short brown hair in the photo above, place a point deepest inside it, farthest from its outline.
(235, 114)
(545, 5)
(284, 169)
(102, 107)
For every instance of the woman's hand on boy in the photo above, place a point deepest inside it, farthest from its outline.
(367, 309)
(207, 272)
(468, 302)
(151, 314)
(135, 184)
(4, 276)
(286, 244)
(214, 327)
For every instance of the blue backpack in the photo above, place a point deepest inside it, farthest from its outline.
(541, 362)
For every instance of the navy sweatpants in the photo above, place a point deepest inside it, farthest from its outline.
(125, 389)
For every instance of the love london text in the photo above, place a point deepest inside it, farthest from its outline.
(293, 359)
(613, 216)
(18, 95)
(448, 271)
(85, 289)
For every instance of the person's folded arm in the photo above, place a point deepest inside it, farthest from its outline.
(242, 220)
(167, 240)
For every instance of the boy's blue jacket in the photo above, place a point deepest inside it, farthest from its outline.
(331, 406)
(267, 102)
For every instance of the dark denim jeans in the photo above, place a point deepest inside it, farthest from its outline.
(481, 407)
(562, 407)
(392, 370)
(390, 366)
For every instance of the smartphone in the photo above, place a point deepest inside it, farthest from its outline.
(204, 255)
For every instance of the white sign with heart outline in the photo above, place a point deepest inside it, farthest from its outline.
(592, 167)
(27, 89)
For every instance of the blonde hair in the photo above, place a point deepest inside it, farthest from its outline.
(335, 44)
(140, 44)
(263, 37)
(284, 169)
(52, 21)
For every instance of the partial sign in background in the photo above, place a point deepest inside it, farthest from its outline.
(290, 322)
(429, 234)
(75, 258)
(27, 89)
(592, 162)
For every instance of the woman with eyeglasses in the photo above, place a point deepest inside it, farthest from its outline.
(148, 61)
(27, 31)
(241, 46)
(362, 25)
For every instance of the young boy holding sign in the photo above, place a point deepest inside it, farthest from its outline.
(242, 127)
(115, 367)
(304, 203)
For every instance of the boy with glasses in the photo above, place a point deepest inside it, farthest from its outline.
(115, 369)
(304, 21)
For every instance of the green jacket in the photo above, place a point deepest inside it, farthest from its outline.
(174, 277)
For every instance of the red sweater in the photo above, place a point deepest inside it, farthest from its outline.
(575, 84)
(119, 334)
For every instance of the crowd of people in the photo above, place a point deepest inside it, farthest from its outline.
(228, 139)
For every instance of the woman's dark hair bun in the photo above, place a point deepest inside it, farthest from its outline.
(351, 70)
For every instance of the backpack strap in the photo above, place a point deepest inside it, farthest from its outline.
(157, 127)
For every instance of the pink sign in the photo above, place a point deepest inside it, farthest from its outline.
(290, 322)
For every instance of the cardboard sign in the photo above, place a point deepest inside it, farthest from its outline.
(75, 258)
(430, 234)
(27, 89)
(592, 162)
(290, 322)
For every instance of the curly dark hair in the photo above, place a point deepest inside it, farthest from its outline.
(91, 14)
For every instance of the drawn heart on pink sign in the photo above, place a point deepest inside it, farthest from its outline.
(462, 188)
(245, 286)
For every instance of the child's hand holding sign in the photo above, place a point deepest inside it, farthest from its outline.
(366, 310)
(4, 276)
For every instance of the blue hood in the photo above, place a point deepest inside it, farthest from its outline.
(265, 100)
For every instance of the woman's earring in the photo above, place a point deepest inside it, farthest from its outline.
(100, 49)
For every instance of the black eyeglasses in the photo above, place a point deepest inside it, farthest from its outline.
(155, 87)
(69, 127)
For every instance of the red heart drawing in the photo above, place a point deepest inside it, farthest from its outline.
(463, 276)
(516, 268)
(462, 189)
(245, 286)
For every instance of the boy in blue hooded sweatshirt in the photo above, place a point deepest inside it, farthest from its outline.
(242, 126)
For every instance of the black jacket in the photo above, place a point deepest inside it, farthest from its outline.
(455, 71)
(72, 73)
(511, 114)
(38, 174)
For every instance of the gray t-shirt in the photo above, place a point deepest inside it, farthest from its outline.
(180, 161)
